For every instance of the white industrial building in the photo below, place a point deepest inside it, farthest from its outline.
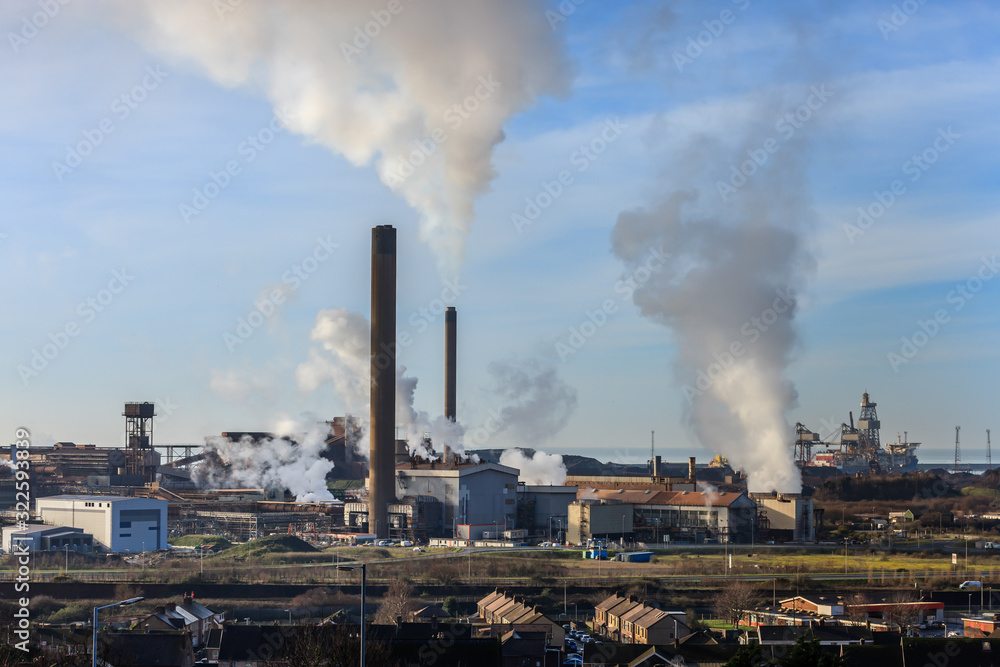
(118, 524)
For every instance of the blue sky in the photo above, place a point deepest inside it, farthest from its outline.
(894, 92)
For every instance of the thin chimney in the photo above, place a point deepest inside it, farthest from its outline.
(450, 370)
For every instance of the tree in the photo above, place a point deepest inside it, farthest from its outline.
(395, 603)
(450, 606)
(855, 608)
(747, 656)
(900, 610)
(737, 597)
(330, 645)
(807, 653)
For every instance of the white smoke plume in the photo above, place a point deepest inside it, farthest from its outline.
(417, 423)
(344, 362)
(537, 401)
(291, 460)
(346, 338)
(727, 292)
(540, 468)
(709, 492)
(423, 92)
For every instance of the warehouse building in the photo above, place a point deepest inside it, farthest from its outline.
(118, 524)
(46, 538)
(661, 516)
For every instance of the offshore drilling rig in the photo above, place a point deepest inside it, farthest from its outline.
(856, 448)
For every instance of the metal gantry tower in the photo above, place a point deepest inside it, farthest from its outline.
(139, 440)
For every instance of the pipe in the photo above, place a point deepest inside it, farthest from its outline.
(382, 436)
(450, 370)
(692, 477)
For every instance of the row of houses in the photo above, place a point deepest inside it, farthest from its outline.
(511, 612)
(625, 619)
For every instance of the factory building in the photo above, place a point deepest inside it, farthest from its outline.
(46, 538)
(475, 494)
(661, 516)
(788, 517)
(118, 524)
(591, 519)
(545, 509)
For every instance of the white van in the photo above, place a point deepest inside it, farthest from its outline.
(971, 584)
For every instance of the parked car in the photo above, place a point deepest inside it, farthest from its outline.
(970, 584)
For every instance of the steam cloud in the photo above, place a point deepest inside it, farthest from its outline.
(727, 293)
(279, 463)
(537, 401)
(424, 94)
(541, 468)
(344, 362)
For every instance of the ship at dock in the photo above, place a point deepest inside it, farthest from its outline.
(856, 449)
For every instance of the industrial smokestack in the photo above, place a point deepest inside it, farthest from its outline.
(692, 477)
(450, 369)
(382, 434)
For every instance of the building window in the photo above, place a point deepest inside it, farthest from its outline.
(125, 535)
(125, 524)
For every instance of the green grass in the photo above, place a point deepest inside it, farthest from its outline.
(978, 491)
(272, 544)
(219, 542)
(345, 484)
(717, 623)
